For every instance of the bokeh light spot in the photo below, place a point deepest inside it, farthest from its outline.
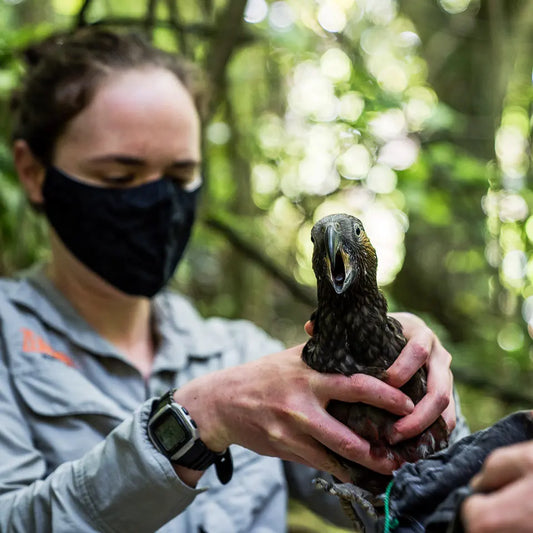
(392, 78)
(317, 174)
(388, 125)
(454, 6)
(510, 337)
(380, 11)
(527, 309)
(513, 208)
(409, 39)
(529, 228)
(351, 105)
(62, 7)
(399, 154)
(336, 65)
(281, 16)
(331, 17)
(510, 146)
(264, 179)
(256, 11)
(381, 179)
(417, 112)
(355, 162)
(218, 133)
(312, 93)
(514, 265)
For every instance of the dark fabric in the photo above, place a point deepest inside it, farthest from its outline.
(427, 495)
(133, 237)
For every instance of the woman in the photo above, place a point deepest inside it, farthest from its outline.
(107, 144)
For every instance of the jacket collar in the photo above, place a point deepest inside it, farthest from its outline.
(180, 329)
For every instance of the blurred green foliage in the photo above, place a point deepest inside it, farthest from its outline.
(413, 115)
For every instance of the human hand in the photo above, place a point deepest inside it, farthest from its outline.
(503, 501)
(423, 348)
(276, 406)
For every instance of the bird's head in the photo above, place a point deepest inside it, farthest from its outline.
(342, 253)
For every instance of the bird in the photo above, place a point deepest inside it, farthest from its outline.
(352, 333)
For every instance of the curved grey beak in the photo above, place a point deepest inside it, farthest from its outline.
(340, 267)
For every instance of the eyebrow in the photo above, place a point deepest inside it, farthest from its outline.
(139, 162)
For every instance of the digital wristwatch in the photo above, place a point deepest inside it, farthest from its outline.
(175, 434)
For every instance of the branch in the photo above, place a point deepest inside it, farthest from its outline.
(207, 7)
(149, 19)
(80, 19)
(299, 291)
(229, 25)
(174, 18)
(507, 394)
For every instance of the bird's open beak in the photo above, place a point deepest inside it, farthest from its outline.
(339, 267)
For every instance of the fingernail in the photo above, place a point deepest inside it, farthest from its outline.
(394, 437)
(409, 405)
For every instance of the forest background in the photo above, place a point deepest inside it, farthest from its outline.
(414, 115)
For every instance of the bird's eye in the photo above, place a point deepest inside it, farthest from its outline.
(357, 231)
(313, 240)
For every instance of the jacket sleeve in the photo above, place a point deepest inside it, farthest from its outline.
(122, 484)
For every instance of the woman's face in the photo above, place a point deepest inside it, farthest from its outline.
(141, 124)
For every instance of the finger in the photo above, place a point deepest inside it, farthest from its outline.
(426, 411)
(410, 322)
(503, 466)
(313, 454)
(318, 461)
(342, 440)
(450, 414)
(437, 398)
(309, 328)
(439, 377)
(476, 513)
(414, 355)
(509, 510)
(301, 448)
(363, 388)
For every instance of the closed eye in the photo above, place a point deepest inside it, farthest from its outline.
(186, 174)
(117, 181)
(188, 183)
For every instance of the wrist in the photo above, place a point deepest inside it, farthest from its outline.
(175, 434)
(187, 475)
(202, 404)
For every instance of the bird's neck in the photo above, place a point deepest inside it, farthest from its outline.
(361, 302)
(361, 315)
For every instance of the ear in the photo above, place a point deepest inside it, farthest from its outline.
(30, 170)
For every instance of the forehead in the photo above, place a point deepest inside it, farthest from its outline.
(137, 111)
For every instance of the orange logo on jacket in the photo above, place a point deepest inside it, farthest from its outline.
(32, 343)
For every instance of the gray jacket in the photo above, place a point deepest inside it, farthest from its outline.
(74, 452)
(74, 458)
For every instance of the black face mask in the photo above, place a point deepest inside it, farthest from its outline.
(132, 237)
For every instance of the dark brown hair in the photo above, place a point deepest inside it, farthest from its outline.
(63, 73)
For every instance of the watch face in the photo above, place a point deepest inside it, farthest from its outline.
(170, 432)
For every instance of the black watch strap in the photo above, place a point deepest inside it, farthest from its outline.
(199, 457)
